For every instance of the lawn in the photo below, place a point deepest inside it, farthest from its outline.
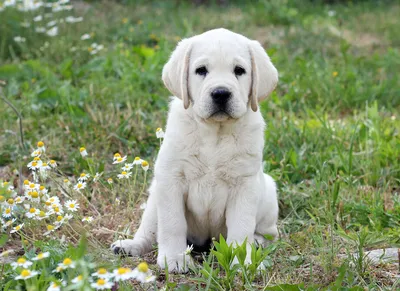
(89, 76)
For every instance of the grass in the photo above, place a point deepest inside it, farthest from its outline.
(332, 137)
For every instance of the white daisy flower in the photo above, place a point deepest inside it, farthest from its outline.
(21, 262)
(137, 161)
(36, 153)
(160, 133)
(83, 177)
(143, 274)
(9, 202)
(26, 274)
(87, 219)
(127, 167)
(35, 164)
(54, 286)
(102, 273)
(122, 274)
(53, 163)
(110, 181)
(119, 160)
(7, 212)
(50, 228)
(80, 186)
(42, 215)
(53, 200)
(41, 256)
(67, 263)
(53, 31)
(32, 186)
(71, 205)
(32, 212)
(25, 24)
(19, 199)
(52, 23)
(67, 182)
(43, 190)
(41, 146)
(77, 279)
(19, 39)
(38, 18)
(8, 223)
(188, 250)
(124, 174)
(71, 19)
(9, 3)
(83, 152)
(40, 29)
(101, 284)
(85, 36)
(97, 176)
(145, 166)
(45, 167)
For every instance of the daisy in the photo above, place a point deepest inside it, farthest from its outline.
(102, 273)
(101, 284)
(6, 224)
(143, 274)
(43, 190)
(32, 213)
(85, 36)
(80, 186)
(10, 202)
(42, 215)
(19, 39)
(122, 274)
(38, 18)
(145, 166)
(71, 205)
(53, 31)
(110, 181)
(26, 274)
(36, 153)
(67, 263)
(160, 133)
(53, 200)
(50, 229)
(53, 163)
(77, 279)
(83, 152)
(32, 186)
(7, 212)
(34, 165)
(188, 250)
(67, 182)
(54, 286)
(52, 23)
(41, 256)
(137, 161)
(97, 176)
(88, 219)
(41, 146)
(116, 156)
(19, 199)
(119, 160)
(127, 167)
(40, 29)
(21, 262)
(124, 174)
(71, 19)
(83, 177)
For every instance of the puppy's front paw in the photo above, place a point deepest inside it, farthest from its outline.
(178, 263)
(126, 247)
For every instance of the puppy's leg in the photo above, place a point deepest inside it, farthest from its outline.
(268, 212)
(145, 236)
(172, 226)
(241, 214)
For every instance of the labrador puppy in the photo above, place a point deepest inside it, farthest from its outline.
(208, 177)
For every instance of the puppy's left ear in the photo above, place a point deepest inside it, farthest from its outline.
(175, 71)
(264, 74)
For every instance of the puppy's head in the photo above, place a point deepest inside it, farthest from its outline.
(220, 74)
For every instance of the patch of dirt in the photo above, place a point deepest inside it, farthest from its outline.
(356, 39)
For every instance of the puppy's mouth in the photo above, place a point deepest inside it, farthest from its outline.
(220, 115)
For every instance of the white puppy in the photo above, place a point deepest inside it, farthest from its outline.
(208, 178)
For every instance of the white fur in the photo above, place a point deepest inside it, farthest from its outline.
(208, 177)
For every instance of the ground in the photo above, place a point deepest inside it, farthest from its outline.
(332, 135)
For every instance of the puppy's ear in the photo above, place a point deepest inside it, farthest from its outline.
(175, 72)
(264, 74)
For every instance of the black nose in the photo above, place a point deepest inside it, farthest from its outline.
(220, 95)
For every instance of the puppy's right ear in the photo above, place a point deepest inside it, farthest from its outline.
(175, 73)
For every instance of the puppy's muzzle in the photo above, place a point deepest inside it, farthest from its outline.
(220, 96)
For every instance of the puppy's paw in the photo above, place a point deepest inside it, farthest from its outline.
(178, 263)
(126, 247)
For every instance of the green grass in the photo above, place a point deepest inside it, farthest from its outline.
(332, 137)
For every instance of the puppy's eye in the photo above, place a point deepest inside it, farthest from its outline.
(239, 71)
(202, 71)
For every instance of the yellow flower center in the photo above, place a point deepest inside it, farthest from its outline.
(56, 209)
(145, 164)
(159, 129)
(67, 261)
(123, 173)
(44, 165)
(42, 214)
(52, 162)
(79, 278)
(40, 144)
(8, 210)
(5, 183)
(79, 185)
(10, 201)
(41, 188)
(32, 210)
(40, 256)
(32, 186)
(90, 49)
(59, 218)
(334, 74)
(18, 227)
(122, 271)
(72, 205)
(36, 159)
(66, 180)
(50, 227)
(21, 260)
(117, 155)
(48, 203)
(102, 271)
(34, 164)
(119, 159)
(143, 267)
(83, 175)
(25, 273)
(82, 149)
(2, 198)
(109, 179)
(26, 182)
(101, 282)
(35, 194)
(137, 158)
